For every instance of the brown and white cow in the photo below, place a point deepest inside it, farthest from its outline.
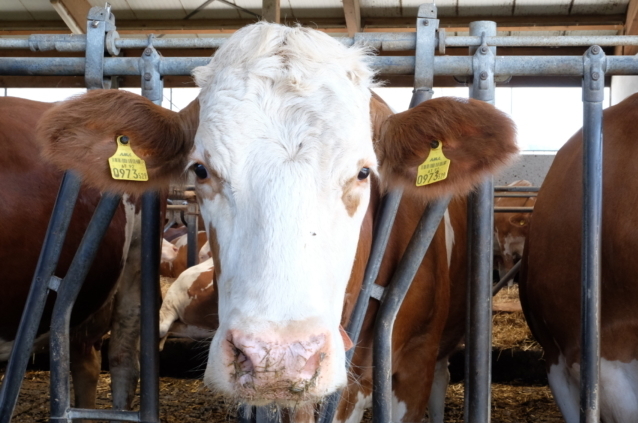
(511, 229)
(550, 287)
(175, 254)
(29, 186)
(287, 180)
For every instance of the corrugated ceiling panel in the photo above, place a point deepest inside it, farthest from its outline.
(485, 7)
(541, 7)
(120, 8)
(39, 10)
(602, 7)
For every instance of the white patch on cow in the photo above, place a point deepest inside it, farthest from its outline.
(177, 299)
(283, 196)
(356, 415)
(129, 213)
(5, 349)
(399, 408)
(619, 391)
(449, 236)
(169, 252)
(513, 244)
(564, 382)
(181, 241)
(204, 253)
(436, 403)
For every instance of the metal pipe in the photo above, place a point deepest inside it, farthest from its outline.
(113, 415)
(389, 65)
(508, 277)
(515, 195)
(34, 307)
(391, 302)
(67, 294)
(594, 66)
(191, 236)
(398, 41)
(478, 334)
(516, 189)
(149, 310)
(513, 209)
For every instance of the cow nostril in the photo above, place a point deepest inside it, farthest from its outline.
(241, 362)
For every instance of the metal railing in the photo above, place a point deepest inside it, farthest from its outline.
(482, 66)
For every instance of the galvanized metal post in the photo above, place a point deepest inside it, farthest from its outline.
(427, 26)
(152, 88)
(391, 302)
(34, 307)
(70, 286)
(191, 237)
(594, 63)
(478, 334)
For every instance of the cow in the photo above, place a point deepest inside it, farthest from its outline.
(29, 187)
(551, 270)
(290, 168)
(511, 229)
(174, 260)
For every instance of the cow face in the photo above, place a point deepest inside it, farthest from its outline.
(282, 159)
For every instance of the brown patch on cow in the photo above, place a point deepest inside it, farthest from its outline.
(202, 310)
(379, 112)
(176, 267)
(214, 249)
(476, 137)
(80, 134)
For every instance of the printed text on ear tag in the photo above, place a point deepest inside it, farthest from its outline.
(125, 165)
(434, 168)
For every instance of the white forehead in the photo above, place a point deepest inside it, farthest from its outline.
(277, 94)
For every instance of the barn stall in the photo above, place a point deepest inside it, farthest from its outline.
(554, 43)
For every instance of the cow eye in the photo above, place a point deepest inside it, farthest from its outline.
(363, 173)
(200, 171)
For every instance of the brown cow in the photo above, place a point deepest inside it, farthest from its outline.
(550, 287)
(286, 177)
(511, 229)
(29, 187)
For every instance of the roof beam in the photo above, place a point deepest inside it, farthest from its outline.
(352, 13)
(631, 26)
(451, 24)
(271, 11)
(74, 13)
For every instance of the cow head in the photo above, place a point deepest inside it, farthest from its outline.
(282, 156)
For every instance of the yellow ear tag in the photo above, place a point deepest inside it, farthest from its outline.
(434, 168)
(125, 165)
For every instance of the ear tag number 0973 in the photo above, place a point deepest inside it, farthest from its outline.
(125, 165)
(434, 168)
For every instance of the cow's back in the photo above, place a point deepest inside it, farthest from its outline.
(29, 188)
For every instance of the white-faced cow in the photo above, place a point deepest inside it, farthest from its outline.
(289, 175)
(550, 287)
(109, 298)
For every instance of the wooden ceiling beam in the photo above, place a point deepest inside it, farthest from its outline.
(352, 13)
(219, 26)
(631, 27)
(271, 11)
(73, 13)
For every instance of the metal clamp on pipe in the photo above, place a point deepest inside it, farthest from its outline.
(152, 83)
(426, 43)
(100, 21)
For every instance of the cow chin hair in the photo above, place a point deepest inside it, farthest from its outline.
(80, 134)
(477, 138)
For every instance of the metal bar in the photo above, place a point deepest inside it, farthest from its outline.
(516, 189)
(389, 308)
(508, 277)
(34, 307)
(515, 195)
(149, 312)
(191, 236)
(478, 335)
(389, 65)
(387, 214)
(382, 41)
(67, 294)
(426, 27)
(594, 74)
(513, 209)
(114, 415)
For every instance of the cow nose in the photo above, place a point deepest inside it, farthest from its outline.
(263, 363)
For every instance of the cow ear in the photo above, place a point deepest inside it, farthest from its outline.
(477, 138)
(81, 134)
